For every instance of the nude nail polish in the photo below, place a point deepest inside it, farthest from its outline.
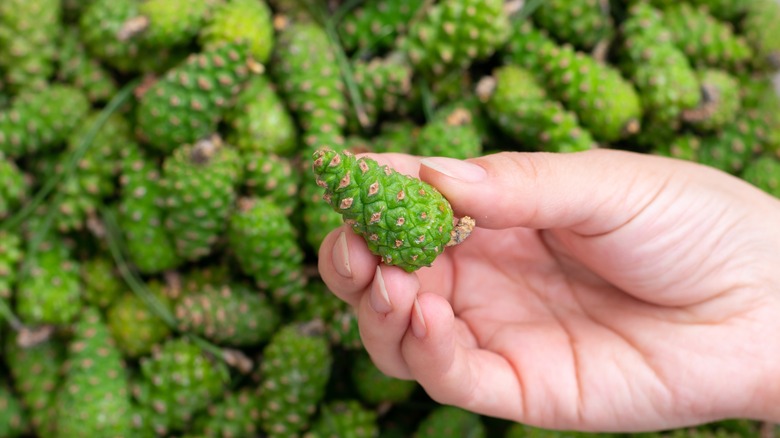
(379, 299)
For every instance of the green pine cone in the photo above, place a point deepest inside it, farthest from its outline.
(582, 23)
(166, 23)
(405, 221)
(374, 387)
(10, 257)
(305, 69)
(295, 369)
(344, 418)
(520, 107)
(236, 415)
(102, 284)
(684, 147)
(273, 177)
(133, 325)
(246, 21)
(763, 34)
(455, 33)
(317, 216)
(264, 242)
(29, 32)
(382, 84)
(78, 68)
(179, 380)
(758, 94)
(200, 190)
(375, 24)
(736, 145)
(449, 133)
(14, 187)
(706, 41)
(720, 104)
(13, 419)
(396, 136)
(49, 292)
(666, 81)
(141, 214)
(764, 173)
(186, 104)
(36, 371)
(605, 102)
(229, 315)
(726, 10)
(41, 120)
(450, 421)
(260, 121)
(93, 399)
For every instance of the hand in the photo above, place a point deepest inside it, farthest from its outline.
(601, 291)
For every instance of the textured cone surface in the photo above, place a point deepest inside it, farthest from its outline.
(345, 418)
(246, 21)
(260, 121)
(36, 374)
(273, 177)
(764, 173)
(450, 421)
(237, 415)
(382, 83)
(318, 217)
(706, 41)
(763, 34)
(101, 281)
(305, 68)
(78, 68)
(178, 381)
(29, 31)
(454, 33)
(229, 315)
(50, 292)
(200, 182)
(40, 120)
(375, 387)
(264, 243)
(141, 214)
(10, 256)
(735, 145)
(403, 220)
(187, 103)
(606, 103)
(339, 318)
(684, 147)
(100, 26)
(295, 370)
(375, 24)
(662, 73)
(93, 399)
(171, 22)
(450, 133)
(758, 94)
(14, 189)
(13, 420)
(133, 325)
(582, 23)
(396, 137)
(520, 107)
(720, 104)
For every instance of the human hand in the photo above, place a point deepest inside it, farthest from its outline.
(602, 290)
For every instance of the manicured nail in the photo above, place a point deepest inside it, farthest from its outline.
(379, 300)
(419, 329)
(457, 169)
(341, 256)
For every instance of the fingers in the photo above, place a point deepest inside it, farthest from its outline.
(346, 265)
(591, 192)
(452, 371)
(384, 316)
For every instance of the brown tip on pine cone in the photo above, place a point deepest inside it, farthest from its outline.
(632, 127)
(459, 117)
(255, 67)
(710, 101)
(238, 360)
(30, 337)
(280, 22)
(204, 149)
(462, 230)
(245, 203)
(485, 88)
(132, 27)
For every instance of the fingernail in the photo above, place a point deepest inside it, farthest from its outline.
(379, 300)
(419, 329)
(341, 256)
(457, 169)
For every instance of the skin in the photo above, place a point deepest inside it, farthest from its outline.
(600, 291)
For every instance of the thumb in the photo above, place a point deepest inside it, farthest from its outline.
(589, 192)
